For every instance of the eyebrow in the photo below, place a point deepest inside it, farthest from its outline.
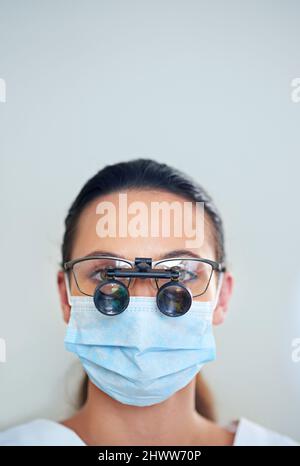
(170, 254)
(104, 253)
(180, 253)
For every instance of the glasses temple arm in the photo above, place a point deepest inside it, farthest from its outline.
(219, 286)
(67, 282)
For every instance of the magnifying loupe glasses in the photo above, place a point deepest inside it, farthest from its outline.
(111, 297)
(177, 280)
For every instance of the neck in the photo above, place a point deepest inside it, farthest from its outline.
(105, 421)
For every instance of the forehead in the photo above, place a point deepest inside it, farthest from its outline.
(130, 224)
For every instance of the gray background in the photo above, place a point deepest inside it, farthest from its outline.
(202, 85)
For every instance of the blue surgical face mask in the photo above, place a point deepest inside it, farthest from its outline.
(141, 357)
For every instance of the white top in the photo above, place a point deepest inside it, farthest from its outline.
(46, 432)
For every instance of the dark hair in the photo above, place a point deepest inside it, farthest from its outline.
(147, 174)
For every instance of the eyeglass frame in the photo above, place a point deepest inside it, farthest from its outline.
(216, 266)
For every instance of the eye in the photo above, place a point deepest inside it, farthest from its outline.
(90, 272)
(98, 274)
(187, 275)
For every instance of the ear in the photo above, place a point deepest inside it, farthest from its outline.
(65, 306)
(224, 298)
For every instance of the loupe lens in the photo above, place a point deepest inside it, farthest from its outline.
(111, 297)
(173, 299)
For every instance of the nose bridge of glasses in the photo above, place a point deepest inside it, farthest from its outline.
(143, 263)
(142, 270)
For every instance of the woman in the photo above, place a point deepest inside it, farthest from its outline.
(142, 338)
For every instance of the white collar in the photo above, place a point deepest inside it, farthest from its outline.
(47, 432)
(249, 433)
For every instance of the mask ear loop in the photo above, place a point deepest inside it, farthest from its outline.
(220, 282)
(68, 288)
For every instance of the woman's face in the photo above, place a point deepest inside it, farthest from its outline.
(124, 242)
